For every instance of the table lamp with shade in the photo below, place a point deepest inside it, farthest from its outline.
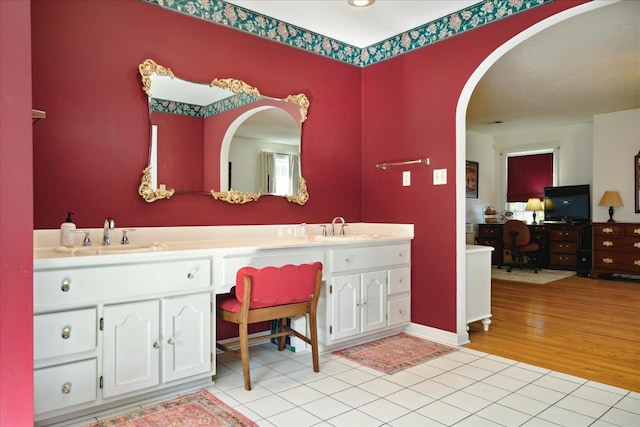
(533, 204)
(611, 199)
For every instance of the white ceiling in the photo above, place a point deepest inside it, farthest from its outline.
(587, 65)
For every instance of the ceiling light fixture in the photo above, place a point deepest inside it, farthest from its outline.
(361, 3)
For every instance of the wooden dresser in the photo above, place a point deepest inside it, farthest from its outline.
(616, 248)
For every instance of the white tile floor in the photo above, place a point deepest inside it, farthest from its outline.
(464, 388)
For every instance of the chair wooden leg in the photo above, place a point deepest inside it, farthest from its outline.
(244, 354)
(282, 340)
(313, 332)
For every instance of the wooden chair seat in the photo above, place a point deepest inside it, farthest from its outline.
(271, 293)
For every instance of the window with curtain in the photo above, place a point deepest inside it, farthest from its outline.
(527, 175)
(280, 173)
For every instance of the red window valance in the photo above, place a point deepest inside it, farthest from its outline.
(528, 175)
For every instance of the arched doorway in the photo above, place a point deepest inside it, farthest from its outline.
(461, 110)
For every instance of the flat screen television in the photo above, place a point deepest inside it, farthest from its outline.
(568, 203)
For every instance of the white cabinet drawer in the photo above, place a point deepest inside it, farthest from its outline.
(369, 257)
(399, 280)
(63, 333)
(64, 385)
(231, 264)
(94, 284)
(399, 311)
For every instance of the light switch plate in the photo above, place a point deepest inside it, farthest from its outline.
(406, 178)
(439, 176)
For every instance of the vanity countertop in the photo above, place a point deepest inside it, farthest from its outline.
(158, 243)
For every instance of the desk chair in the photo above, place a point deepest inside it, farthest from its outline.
(517, 238)
(271, 293)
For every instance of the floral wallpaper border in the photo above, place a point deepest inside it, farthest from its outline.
(190, 110)
(222, 13)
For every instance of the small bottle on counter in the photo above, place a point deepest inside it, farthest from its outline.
(67, 232)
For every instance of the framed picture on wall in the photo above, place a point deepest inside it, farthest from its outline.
(471, 180)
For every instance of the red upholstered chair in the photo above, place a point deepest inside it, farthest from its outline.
(517, 239)
(271, 293)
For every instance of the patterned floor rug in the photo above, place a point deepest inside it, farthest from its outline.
(198, 409)
(527, 275)
(395, 353)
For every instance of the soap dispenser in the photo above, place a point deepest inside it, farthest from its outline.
(67, 232)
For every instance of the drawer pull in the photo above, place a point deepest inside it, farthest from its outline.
(170, 341)
(607, 260)
(66, 285)
(636, 262)
(607, 243)
(156, 344)
(66, 332)
(348, 260)
(636, 231)
(66, 388)
(607, 230)
(636, 244)
(192, 274)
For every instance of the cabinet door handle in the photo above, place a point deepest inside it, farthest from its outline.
(66, 388)
(66, 332)
(192, 273)
(348, 260)
(156, 344)
(170, 341)
(66, 285)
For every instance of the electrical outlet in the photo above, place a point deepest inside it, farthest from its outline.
(439, 176)
(406, 178)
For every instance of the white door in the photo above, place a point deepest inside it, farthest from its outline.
(131, 347)
(374, 300)
(186, 336)
(345, 303)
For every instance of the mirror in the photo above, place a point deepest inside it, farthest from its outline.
(222, 138)
(636, 166)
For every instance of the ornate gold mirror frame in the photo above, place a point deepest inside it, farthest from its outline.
(147, 69)
(636, 168)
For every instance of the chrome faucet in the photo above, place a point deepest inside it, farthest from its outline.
(333, 225)
(109, 224)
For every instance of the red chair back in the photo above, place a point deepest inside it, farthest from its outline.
(271, 286)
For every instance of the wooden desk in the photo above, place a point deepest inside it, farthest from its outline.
(562, 246)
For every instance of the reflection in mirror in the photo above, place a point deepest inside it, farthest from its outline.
(223, 135)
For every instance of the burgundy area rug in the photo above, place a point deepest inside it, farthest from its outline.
(395, 353)
(199, 409)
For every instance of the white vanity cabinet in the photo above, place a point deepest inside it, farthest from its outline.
(151, 342)
(109, 330)
(113, 327)
(370, 291)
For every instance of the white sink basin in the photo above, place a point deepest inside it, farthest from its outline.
(347, 238)
(115, 249)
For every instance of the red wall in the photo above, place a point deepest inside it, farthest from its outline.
(91, 149)
(409, 106)
(16, 223)
(93, 146)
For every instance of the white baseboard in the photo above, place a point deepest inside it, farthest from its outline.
(437, 335)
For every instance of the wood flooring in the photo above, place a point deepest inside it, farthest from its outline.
(579, 326)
